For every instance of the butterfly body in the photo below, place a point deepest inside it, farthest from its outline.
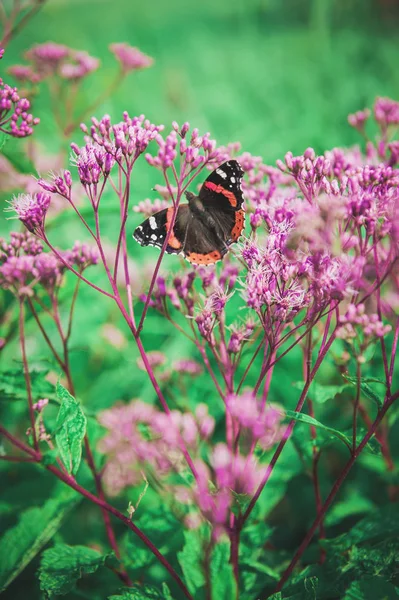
(205, 227)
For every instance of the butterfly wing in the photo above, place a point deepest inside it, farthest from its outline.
(221, 195)
(188, 236)
(153, 231)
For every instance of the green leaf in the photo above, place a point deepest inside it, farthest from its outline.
(303, 418)
(380, 524)
(370, 589)
(12, 385)
(36, 526)
(70, 430)
(166, 592)
(222, 578)
(322, 393)
(190, 560)
(62, 565)
(354, 504)
(366, 389)
(143, 592)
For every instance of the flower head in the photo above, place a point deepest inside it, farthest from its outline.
(47, 57)
(80, 65)
(31, 210)
(15, 120)
(130, 58)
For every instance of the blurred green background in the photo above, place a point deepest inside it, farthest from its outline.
(277, 75)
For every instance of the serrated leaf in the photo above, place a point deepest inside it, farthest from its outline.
(190, 560)
(322, 393)
(222, 578)
(62, 565)
(143, 592)
(371, 589)
(366, 389)
(36, 526)
(380, 524)
(13, 387)
(70, 430)
(303, 418)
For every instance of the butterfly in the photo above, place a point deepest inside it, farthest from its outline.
(206, 226)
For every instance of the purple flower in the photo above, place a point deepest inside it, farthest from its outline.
(93, 161)
(187, 367)
(155, 359)
(15, 120)
(31, 210)
(82, 256)
(17, 273)
(130, 58)
(47, 57)
(386, 112)
(24, 73)
(359, 119)
(83, 64)
(127, 139)
(148, 207)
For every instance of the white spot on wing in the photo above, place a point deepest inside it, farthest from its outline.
(232, 179)
(154, 237)
(221, 173)
(153, 223)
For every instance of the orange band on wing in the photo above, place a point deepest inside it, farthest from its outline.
(219, 189)
(173, 241)
(239, 225)
(203, 259)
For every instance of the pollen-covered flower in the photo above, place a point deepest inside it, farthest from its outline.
(130, 58)
(31, 210)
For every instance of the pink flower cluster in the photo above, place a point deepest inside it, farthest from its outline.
(140, 437)
(356, 320)
(51, 59)
(193, 150)
(15, 118)
(24, 265)
(126, 139)
(130, 58)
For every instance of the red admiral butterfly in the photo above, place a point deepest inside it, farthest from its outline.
(206, 226)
